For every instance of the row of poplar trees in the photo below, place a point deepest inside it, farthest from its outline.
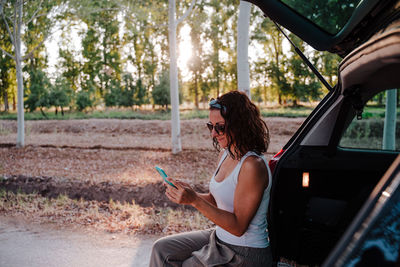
(122, 56)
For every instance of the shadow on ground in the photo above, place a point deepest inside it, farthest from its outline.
(146, 196)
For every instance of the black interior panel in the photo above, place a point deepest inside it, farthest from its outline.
(306, 222)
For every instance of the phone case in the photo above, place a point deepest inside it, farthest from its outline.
(164, 176)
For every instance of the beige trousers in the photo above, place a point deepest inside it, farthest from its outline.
(203, 248)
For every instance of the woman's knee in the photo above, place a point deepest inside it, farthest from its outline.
(159, 245)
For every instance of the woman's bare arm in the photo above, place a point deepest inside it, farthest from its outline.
(252, 182)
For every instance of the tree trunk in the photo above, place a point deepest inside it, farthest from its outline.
(243, 70)
(196, 91)
(14, 103)
(20, 83)
(41, 111)
(173, 76)
(5, 97)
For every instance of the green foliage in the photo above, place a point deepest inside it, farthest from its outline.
(161, 92)
(365, 128)
(329, 15)
(132, 35)
(61, 94)
(7, 65)
(92, 65)
(366, 134)
(113, 97)
(70, 66)
(83, 100)
(303, 83)
(39, 88)
(127, 95)
(140, 93)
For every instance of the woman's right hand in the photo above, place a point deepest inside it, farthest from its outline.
(182, 194)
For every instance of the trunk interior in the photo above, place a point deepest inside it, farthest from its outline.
(306, 222)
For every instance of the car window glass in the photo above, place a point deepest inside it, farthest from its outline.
(379, 128)
(331, 16)
(379, 244)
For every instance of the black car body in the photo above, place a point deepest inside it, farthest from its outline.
(329, 168)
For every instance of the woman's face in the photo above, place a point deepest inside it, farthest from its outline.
(217, 119)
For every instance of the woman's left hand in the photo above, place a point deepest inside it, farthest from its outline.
(183, 194)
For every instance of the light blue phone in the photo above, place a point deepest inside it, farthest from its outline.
(164, 176)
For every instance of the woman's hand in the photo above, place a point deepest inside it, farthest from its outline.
(183, 194)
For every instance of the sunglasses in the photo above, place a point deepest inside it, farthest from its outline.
(219, 128)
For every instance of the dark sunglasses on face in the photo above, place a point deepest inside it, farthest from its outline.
(219, 128)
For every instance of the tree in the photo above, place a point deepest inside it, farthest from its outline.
(140, 93)
(61, 94)
(6, 66)
(303, 83)
(92, 65)
(328, 15)
(173, 74)
(15, 21)
(196, 62)
(71, 68)
(83, 100)
(328, 65)
(100, 42)
(113, 96)
(127, 91)
(214, 34)
(39, 92)
(230, 38)
(161, 92)
(271, 68)
(243, 69)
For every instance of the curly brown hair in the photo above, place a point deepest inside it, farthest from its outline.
(244, 127)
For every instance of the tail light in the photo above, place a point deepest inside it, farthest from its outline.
(274, 160)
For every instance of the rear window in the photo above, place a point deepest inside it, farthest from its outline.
(379, 128)
(329, 15)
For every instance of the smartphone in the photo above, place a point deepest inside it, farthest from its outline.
(164, 176)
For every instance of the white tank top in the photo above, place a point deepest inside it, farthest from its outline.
(223, 192)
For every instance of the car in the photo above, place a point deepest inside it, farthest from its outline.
(331, 166)
(373, 237)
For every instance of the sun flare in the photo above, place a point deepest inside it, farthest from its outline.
(185, 52)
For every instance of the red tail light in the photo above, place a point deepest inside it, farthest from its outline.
(274, 160)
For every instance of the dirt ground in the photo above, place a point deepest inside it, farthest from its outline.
(102, 160)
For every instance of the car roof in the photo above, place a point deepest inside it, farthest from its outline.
(334, 26)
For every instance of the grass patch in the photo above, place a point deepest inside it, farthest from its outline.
(96, 114)
(4, 131)
(146, 114)
(112, 217)
(290, 112)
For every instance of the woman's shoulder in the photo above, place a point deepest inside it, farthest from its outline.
(255, 163)
(254, 171)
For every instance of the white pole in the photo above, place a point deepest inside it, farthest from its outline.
(389, 130)
(173, 77)
(20, 84)
(243, 47)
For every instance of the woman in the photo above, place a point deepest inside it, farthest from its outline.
(238, 199)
